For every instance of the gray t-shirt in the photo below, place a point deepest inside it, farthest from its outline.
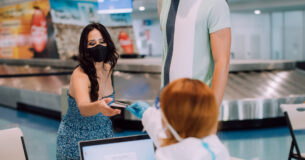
(186, 26)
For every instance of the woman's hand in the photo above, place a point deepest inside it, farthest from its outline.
(105, 109)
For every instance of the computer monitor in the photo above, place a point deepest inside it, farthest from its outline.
(122, 148)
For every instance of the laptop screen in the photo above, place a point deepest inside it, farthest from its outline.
(125, 148)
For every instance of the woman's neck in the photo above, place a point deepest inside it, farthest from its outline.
(101, 67)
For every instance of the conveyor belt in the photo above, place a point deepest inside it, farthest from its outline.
(33, 86)
(267, 84)
(26, 69)
(258, 95)
(249, 94)
(51, 82)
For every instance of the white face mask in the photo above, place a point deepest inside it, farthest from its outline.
(171, 129)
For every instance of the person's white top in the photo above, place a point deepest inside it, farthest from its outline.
(208, 148)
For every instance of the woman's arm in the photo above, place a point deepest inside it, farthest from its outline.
(152, 124)
(80, 90)
(151, 120)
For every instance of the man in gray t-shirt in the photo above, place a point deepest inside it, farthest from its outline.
(197, 40)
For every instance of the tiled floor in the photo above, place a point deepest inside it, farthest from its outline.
(263, 144)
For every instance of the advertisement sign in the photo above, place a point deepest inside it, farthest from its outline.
(114, 6)
(81, 12)
(26, 31)
(71, 16)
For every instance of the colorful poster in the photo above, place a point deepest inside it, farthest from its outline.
(67, 39)
(82, 12)
(124, 39)
(71, 16)
(26, 31)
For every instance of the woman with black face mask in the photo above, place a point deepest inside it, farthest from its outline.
(90, 93)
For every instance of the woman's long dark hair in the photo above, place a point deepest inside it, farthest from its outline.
(86, 61)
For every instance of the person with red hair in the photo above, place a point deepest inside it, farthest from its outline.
(185, 125)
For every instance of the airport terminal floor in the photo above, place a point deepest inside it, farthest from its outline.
(260, 144)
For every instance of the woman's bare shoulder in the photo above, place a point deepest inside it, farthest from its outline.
(79, 79)
(79, 75)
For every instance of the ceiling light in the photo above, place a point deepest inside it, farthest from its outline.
(257, 12)
(141, 8)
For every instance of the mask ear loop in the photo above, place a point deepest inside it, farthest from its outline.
(171, 129)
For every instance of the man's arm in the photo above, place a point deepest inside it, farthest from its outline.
(159, 7)
(220, 44)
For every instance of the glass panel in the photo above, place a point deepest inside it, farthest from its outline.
(250, 36)
(277, 35)
(293, 35)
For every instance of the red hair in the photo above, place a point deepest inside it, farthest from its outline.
(190, 107)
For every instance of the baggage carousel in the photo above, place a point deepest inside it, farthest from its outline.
(254, 91)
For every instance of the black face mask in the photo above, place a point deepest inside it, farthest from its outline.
(98, 53)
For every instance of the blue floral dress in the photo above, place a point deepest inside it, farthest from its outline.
(74, 128)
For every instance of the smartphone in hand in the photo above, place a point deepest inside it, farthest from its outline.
(120, 104)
